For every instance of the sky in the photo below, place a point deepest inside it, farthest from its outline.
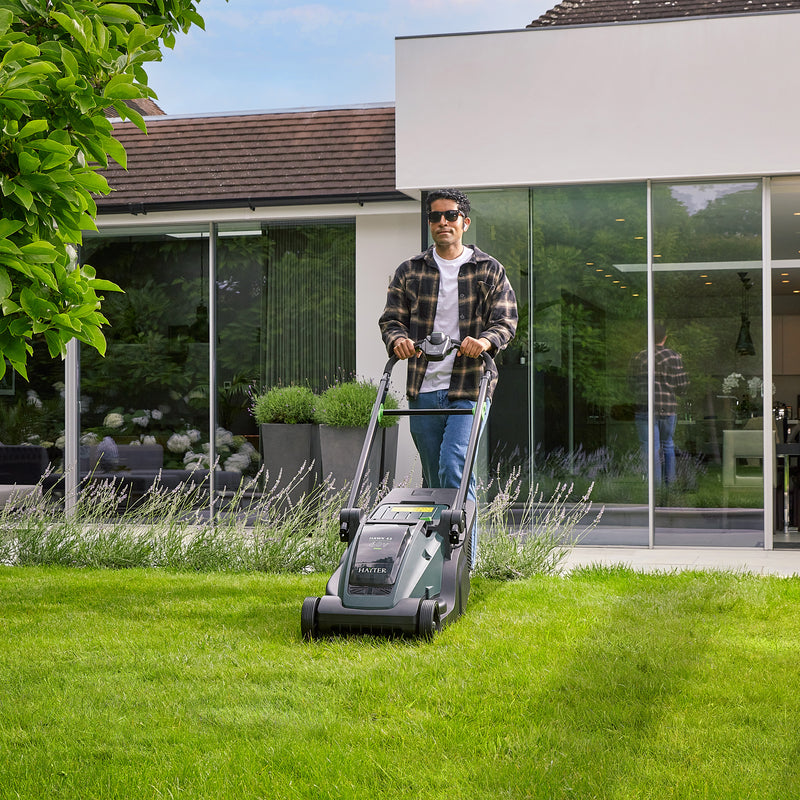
(264, 55)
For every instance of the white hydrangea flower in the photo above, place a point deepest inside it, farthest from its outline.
(149, 440)
(89, 439)
(731, 383)
(114, 420)
(156, 414)
(178, 443)
(224, 438)
(238, 462)
(755, 386)
(194, 435)
(142, 421)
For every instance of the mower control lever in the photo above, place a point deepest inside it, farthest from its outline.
(436, 346)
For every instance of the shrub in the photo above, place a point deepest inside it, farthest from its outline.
(349, 405)
(292, 405)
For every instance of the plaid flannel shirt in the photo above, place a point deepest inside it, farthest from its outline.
(487, 308)
(670, 380)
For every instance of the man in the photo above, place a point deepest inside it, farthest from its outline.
(464, 293)
(670, 381)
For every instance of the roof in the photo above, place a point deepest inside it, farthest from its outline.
(144, 105)
(594, 12)
(276, 158)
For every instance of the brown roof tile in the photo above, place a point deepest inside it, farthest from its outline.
(593, 12)
(255, 159)
(144, 105)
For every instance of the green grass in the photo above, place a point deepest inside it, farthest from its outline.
(605, 684)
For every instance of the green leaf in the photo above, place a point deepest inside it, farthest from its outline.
(66, 321)
(22, 94)
(138, 36)
(95, 338)
(51, 145)
(6, 19)
(69, 61)
(115, 12)
(28, 162)
(33, 305)
(9, 227)
(32, 127)
(122, 91)
(92, 181)
(5, 284)
(22, 51)
(104, 285)
(134, 116)
(36, 68)
(55, 346)
(115, 150)
(24, 196)
(72, 27)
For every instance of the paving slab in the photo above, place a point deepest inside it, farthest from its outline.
(757, 561)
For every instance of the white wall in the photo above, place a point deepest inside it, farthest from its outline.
(383, 241)
(684, 98)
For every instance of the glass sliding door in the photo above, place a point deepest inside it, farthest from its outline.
(285, 315)
(708, 412)
(500, 227)
(144, 406)
(588, 309)
(785, 282)
(32, 418)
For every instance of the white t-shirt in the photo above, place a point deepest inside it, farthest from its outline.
(437, 375)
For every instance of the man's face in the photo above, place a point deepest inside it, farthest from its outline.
(445, 233)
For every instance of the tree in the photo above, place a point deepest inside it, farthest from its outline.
(61, 65)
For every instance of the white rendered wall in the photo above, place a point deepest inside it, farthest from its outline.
(383, 241)
(675, 99)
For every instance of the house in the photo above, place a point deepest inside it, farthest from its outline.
(630, 162)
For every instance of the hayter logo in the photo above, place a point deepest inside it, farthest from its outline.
(364, 569)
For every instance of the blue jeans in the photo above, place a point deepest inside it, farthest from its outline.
(441, 442)
(663, 431)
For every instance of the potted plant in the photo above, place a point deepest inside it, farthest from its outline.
(289, 443)
(343, 412)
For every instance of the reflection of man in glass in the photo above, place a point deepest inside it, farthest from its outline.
(670, 381)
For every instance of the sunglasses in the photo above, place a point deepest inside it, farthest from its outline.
(450, 215)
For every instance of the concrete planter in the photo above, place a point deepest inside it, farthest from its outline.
(285, 449)
(340, 449)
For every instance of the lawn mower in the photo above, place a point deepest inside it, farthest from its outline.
(406, 568)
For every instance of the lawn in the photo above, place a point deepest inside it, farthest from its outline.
(603, 684)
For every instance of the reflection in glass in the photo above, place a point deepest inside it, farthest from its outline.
(707, 291)
(32, 419)
(500, 224)
(589, 307)
(144, 406)
(285, 313)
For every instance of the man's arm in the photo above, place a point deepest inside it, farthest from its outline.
(502, 323)
(394, 321)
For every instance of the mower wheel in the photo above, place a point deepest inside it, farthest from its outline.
(309, 618)
(430, 621)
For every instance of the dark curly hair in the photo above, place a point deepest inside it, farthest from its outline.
(449, 194)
